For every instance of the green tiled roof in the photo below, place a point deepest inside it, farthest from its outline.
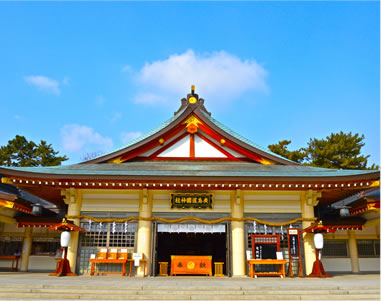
(146, 135)
(190, 169)
(241, 138)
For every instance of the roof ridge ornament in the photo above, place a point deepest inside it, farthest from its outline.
(193, 101)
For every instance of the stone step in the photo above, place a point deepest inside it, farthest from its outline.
(186, 288)
(69, 296)
(75, 290)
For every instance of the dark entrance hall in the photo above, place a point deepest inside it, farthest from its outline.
(213, 244)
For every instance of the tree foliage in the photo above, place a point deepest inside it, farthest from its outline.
(338, 150)
(281, 149)
(21, 152)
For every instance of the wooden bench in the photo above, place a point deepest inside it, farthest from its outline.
(15, 261)
(281, 270)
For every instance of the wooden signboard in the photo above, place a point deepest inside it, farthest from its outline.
(265, 246)
(294, 250)
(192, 200)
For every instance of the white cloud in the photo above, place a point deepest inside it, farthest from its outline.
(43, 83)
(217, 76)
(77, 137)
(129, 136)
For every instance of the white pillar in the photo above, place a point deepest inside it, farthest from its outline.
(145, 231)
(308, 201)
(238, 235)
(73, 198)
(26, 249)
(353, 253)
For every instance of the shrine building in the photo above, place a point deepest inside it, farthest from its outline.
(189, 187)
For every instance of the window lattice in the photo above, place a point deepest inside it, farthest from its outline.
(10, 247)
(335, 248)
(368, 247)
(109, 235)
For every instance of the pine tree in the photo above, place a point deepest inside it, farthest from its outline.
(281, 149)
(339, 150)
(21, 152)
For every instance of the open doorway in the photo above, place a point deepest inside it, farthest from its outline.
(213, 244)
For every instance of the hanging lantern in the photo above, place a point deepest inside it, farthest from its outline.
(318, 241)
(37, 209)
(344, 211)
(125, 227)
(65, 239)
(265, 229)
(255, 227)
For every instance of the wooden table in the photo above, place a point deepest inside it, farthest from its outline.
(94, 261)
(281, 270)
(15, 261)
(194, 265)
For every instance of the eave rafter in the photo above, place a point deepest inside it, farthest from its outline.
(174, 183)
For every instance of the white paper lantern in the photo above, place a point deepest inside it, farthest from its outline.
(318, 241)
(65, 239)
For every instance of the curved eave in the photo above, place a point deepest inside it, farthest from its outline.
(174, 121)
(320, 175)
(266, 154)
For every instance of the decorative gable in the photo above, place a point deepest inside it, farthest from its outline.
(192, 135)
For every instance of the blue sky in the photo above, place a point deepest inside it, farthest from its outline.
(87, 77)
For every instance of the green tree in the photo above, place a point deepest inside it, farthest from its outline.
(21, 152)
(281, 149)
(339, 150)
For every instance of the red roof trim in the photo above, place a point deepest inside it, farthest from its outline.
(150, 145)
(34, 224)
(230, 156)
(346, 227)
(364, 208)
(231, 145)
(165, 147)
(64, 226)
(318, 228)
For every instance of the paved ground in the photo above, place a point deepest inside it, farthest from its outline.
(37, 279)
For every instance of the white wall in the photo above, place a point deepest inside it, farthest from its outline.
(369, 264)
(337, 264)
(43, 263)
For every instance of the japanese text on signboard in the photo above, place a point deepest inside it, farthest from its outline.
(192, 200)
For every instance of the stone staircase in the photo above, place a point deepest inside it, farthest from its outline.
(178, 292)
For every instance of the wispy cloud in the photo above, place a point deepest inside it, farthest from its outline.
(129, 136)
(44, 83)
(77, 138)
(218, 76)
